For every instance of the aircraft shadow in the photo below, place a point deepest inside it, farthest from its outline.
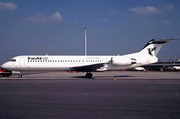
(97, 77)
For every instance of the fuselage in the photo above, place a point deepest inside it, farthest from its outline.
(72, 63)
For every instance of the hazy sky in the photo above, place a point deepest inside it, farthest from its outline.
(55, 27)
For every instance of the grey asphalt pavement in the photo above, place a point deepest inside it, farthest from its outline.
(133, 95)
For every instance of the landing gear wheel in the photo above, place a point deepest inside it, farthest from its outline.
(20, 76)
(89, 75)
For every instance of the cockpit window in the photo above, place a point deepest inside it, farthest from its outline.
(13, 60)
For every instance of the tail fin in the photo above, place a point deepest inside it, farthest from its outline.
(153, 47)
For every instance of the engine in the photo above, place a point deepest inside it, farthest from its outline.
(123, 61)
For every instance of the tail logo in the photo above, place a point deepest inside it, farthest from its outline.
(150, 50)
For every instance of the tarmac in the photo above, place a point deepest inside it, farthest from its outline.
(108, 95)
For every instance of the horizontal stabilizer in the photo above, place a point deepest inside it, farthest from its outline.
(158, 41)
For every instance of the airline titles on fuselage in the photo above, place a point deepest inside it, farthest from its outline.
(35, 58)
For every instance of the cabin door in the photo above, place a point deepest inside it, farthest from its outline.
(22, 62)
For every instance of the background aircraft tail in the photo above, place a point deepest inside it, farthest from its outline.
(153, 47)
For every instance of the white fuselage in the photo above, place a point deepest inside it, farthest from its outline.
(73, 63)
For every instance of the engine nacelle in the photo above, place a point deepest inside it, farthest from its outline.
(123, 61)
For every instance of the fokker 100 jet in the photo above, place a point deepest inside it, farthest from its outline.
(35, 63)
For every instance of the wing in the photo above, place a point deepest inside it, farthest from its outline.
(88, 68)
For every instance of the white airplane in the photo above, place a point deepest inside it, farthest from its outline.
(139, 69)
(177, 67)
(34, 63)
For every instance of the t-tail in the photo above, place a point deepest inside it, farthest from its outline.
(149, 52)
(153, 47)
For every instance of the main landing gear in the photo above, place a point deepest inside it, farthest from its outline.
(20, 75)
(89, 75)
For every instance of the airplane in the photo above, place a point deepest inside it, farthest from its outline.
(138, 69)
(88, 64)
(177, 67)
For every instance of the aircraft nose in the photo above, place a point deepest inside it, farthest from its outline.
(5, 65)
